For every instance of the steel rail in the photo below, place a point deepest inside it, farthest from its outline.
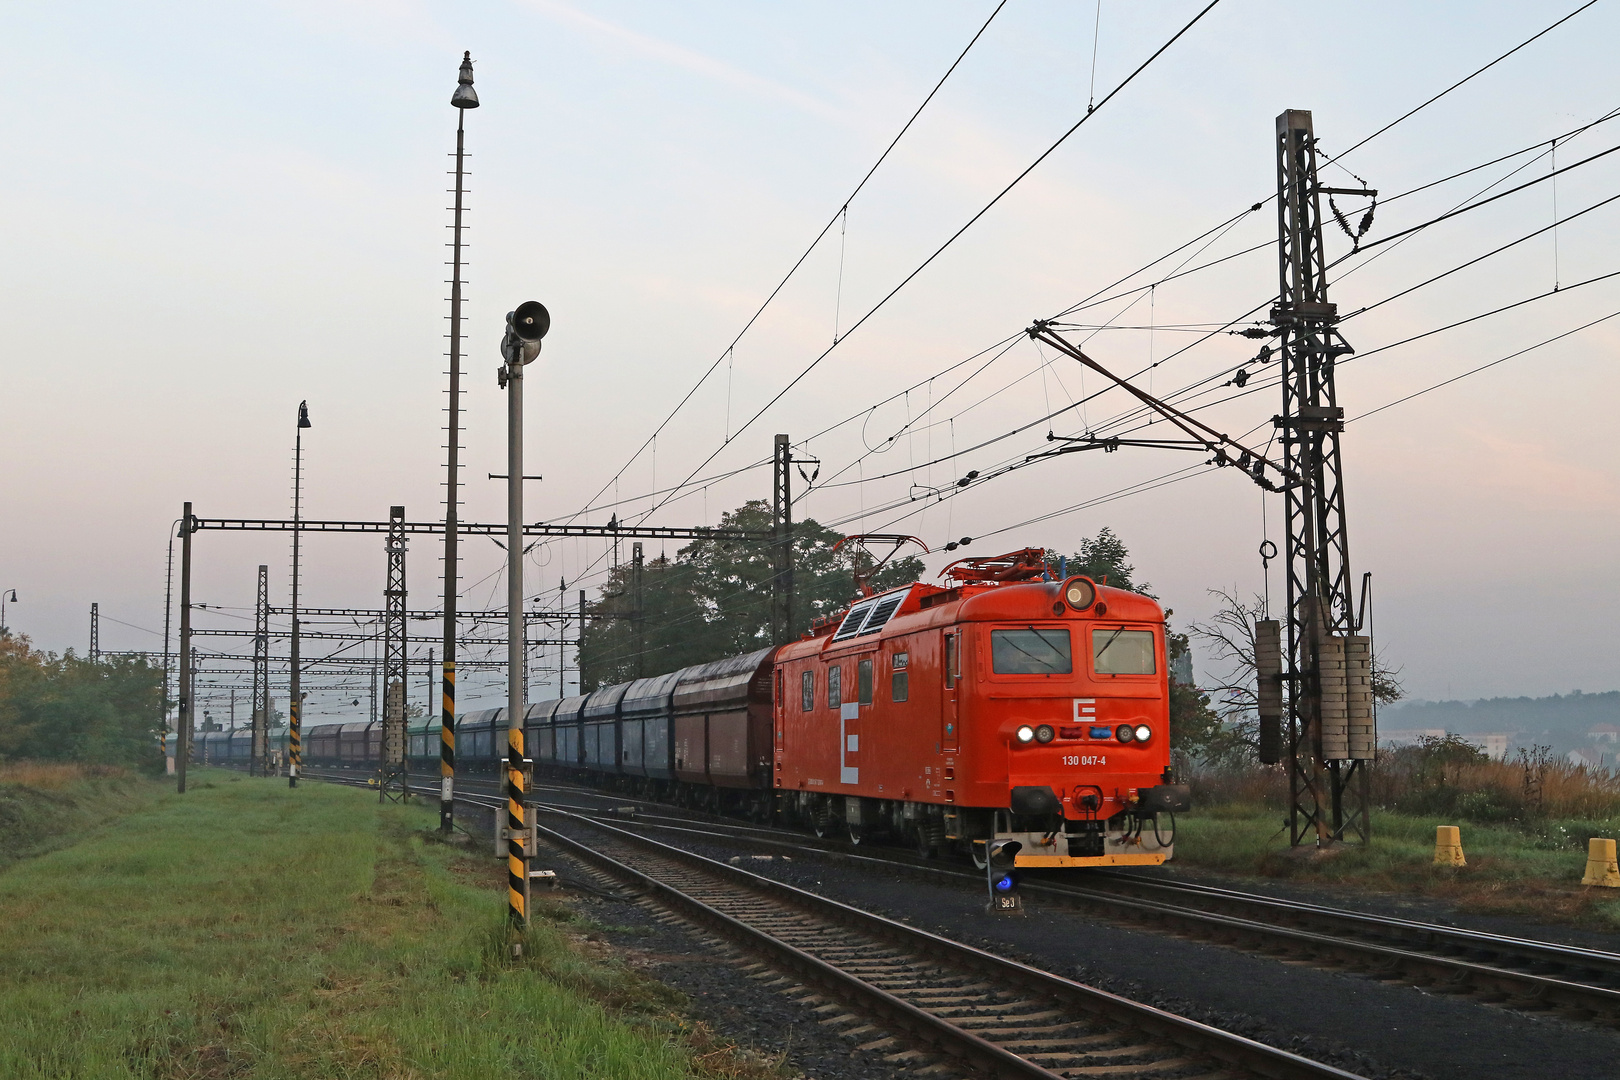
(938, 1032)
(1326, 936)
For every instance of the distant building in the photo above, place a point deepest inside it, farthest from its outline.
(1181, 668)
(1496, 746)
(1587, 756)
(1604, 733)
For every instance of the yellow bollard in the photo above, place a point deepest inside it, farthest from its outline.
(1601, 868)
(1448, 846)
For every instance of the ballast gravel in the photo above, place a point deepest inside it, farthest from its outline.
(1359, 1024)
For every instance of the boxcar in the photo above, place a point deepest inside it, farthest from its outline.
(599, 729)
(722, 722)
(646, 749)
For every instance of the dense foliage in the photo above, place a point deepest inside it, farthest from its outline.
(67, 708)
(713, 599)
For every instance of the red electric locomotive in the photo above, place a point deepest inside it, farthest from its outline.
(999, 707)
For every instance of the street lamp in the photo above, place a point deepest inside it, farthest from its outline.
(295, 700)
(9, 596)
(464, 98)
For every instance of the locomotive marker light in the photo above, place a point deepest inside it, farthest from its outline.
(520, 345)
(1001, 857)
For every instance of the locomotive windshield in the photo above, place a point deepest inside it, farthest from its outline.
(1031, 652)
(1122, 652)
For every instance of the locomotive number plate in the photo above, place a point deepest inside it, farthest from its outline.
(1085, 759)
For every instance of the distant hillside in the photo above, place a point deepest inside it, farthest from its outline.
(1564, 716)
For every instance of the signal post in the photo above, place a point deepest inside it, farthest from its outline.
(519, 347)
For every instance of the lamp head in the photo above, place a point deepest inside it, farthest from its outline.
(465, 97)
(303, 414)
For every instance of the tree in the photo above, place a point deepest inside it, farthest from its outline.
(1229, 636)
(107, 711)
(1105, 560)
(713, 599)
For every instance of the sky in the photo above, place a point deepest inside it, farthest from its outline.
(213, 212)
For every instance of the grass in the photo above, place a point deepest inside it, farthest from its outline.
(1513, 871)
(46, 805)
(249, 931)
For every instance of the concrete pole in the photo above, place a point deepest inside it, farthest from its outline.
(182, 749)
(517, 852)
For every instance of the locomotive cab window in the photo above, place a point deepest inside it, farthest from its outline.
(1035, 651)
(863, 681)
(807, 691)
(1119, 651)
(953, 659)
(899, 677)
(834, 695)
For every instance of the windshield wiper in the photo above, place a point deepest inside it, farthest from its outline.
(1098, 655)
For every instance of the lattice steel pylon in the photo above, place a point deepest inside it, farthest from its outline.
(394, 783)
(259, 760)
(1327, 668)
(782, 542)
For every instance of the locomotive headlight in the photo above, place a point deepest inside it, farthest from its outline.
(1124, 733)
(1026, 734)
(1080, 593)
(1143, 733)
(1045, 734)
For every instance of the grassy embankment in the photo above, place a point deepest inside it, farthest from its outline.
(1526, 852)
(248, 931)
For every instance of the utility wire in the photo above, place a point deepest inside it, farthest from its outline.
(954, 236)
(837, 215)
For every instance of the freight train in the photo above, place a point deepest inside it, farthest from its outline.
(1004, 704)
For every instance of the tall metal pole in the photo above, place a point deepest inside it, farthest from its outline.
(261, 673)
(95, 632)
(782, 568)
(579, 649)
(295, 703)
(463, 99)
(393, 783)
(638, 614)
(168, 608)
(520, 345)
(517, 851)
(182, 742)
(1329, 734)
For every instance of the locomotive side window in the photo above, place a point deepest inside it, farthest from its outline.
(835, 697)
(899, 677)
(863, 681)
(1123, 652)
(1036, 651)
(953, 660)
(807, 691)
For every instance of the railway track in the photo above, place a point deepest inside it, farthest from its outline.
(923, 1000)
(960, 1006)
(1519, 973)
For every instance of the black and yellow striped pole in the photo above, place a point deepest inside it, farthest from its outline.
(447, 745)
(517, 829)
